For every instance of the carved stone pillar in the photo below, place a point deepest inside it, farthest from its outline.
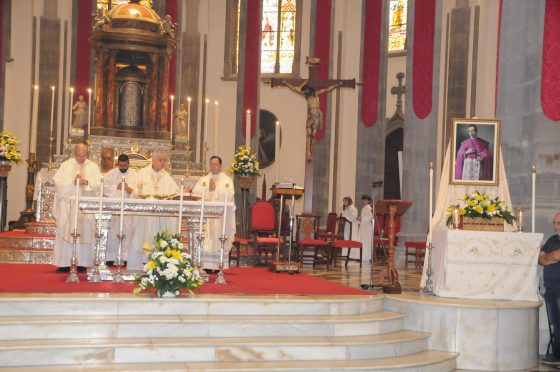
(164, 92)
(111, 89)
(153, 90)
(99, 86)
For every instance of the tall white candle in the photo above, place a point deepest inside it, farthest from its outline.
(533, 190)
(122, 206)
(277, 151)
(216, 126)
(70, 118)
(76, 204)
(52, 109)
(35, 111)
(100, 207)
(205, 121)
(248, 129)
(89, 112)
(431, 202)
(172, 98)
(189, 118)
(224, 218)
(202, 208)
(181, 205)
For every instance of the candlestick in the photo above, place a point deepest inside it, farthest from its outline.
(205, 139)
(520, 219)
(172, 98)
(181, 205)
(216, 124)
(52, 108)
(431, 202)
(35, 110)
(189, 118)
(456, 217)
(277, 152)
(202, 208)
(100, 207)
(533, 190)
(76, 204)
(89, 112)
(225, 210)
(122, 205)
(70, 107)
(248, 129)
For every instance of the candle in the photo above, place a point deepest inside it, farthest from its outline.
(225, 210)
(35, 110)
(216, 124)
(533, 189)
(431, 202)
(277, 151)
(52, 110)
(172, 98)
(70, 119)
(89, 111)
(76, 204)
(248, 129)
(205, 121)
(100, 208)
(122, 205)
(456, 217)
(181, 204)
(189, 118)
(202, 208)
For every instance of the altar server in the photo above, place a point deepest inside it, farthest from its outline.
(366, 228)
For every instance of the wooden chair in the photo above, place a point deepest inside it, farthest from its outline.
(416, 250)
(339, 243)
(380, 239)
(236, 247)
(306, 237)
(263, 229)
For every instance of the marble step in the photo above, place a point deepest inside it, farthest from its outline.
(92, 304)
(426, 361)
(209, 349)
(58, 327)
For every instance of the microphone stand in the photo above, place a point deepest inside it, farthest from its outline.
(371, 285)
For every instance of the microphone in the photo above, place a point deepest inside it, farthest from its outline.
(376, 184)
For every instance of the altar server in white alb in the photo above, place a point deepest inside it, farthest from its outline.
(112, 189)
(366, 228)
(351, 228)
(87, 174)
(152, 180)
(215, 191)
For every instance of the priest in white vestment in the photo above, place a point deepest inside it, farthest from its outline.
(154, 180)
(112, 189)
(366, 228)
(89, 177)
(216, 182)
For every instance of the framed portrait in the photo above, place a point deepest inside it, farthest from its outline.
(475, 150)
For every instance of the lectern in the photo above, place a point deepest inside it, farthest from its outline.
(392, 208)
(281, 191)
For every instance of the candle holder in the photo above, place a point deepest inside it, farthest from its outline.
(28, 215)
(73, 277)
(429, 286)
(198, 267)
(118, 278)
(51, 140)
(221, 279)
(456, 217)
(205, 149)
(95, 276)
(520, 216)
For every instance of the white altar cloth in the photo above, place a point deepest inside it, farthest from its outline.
(486, 265)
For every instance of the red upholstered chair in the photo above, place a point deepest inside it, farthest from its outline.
(329, 232)
(417, 250)
(306, 237)
(264, 229)
(340, 243)
(236, 247)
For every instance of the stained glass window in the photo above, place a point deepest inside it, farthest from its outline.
(397, 25)
(104, 4)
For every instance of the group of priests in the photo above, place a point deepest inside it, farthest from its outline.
(80, 172)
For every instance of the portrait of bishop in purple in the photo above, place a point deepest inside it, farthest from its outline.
(474, 158)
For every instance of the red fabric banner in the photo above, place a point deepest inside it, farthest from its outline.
(423, 57)
(370, 63)
(1, 37)
(171, 9)
(82, 81)
(252, 63)
(498, 57)
(322, 49)
(550, 82)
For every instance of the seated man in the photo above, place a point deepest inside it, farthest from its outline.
(78, 169)
(155, 180)
(112, 189)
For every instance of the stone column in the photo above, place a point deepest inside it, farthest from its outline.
(99, 85)
(111, 89)
(153, 90)
(164, 90)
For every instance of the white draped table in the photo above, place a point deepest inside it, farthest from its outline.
(486, 265)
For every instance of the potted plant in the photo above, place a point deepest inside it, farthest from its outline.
(245, 166)
(9, 154)
(479, 211)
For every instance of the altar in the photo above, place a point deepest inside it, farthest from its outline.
(486, 265)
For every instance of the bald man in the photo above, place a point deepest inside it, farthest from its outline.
(87, 174)
(155, 180)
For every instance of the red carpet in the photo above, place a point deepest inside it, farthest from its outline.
(243, 280)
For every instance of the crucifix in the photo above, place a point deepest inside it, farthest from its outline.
(311, 89)
(398, 91)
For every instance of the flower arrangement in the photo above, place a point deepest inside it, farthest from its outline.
(169, 268)
(244, 162)
(8, 148)
(477, 204)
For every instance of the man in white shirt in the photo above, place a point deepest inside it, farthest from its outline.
(112, 189)
(78, 169)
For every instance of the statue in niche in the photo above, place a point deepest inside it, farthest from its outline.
(80, 111)
(167, 27)
(180, 121)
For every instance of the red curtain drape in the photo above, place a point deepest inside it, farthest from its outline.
(423, 57)
(322, 49)
(84, 25)
(550, 82)
(371, 61)
(252, 64)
